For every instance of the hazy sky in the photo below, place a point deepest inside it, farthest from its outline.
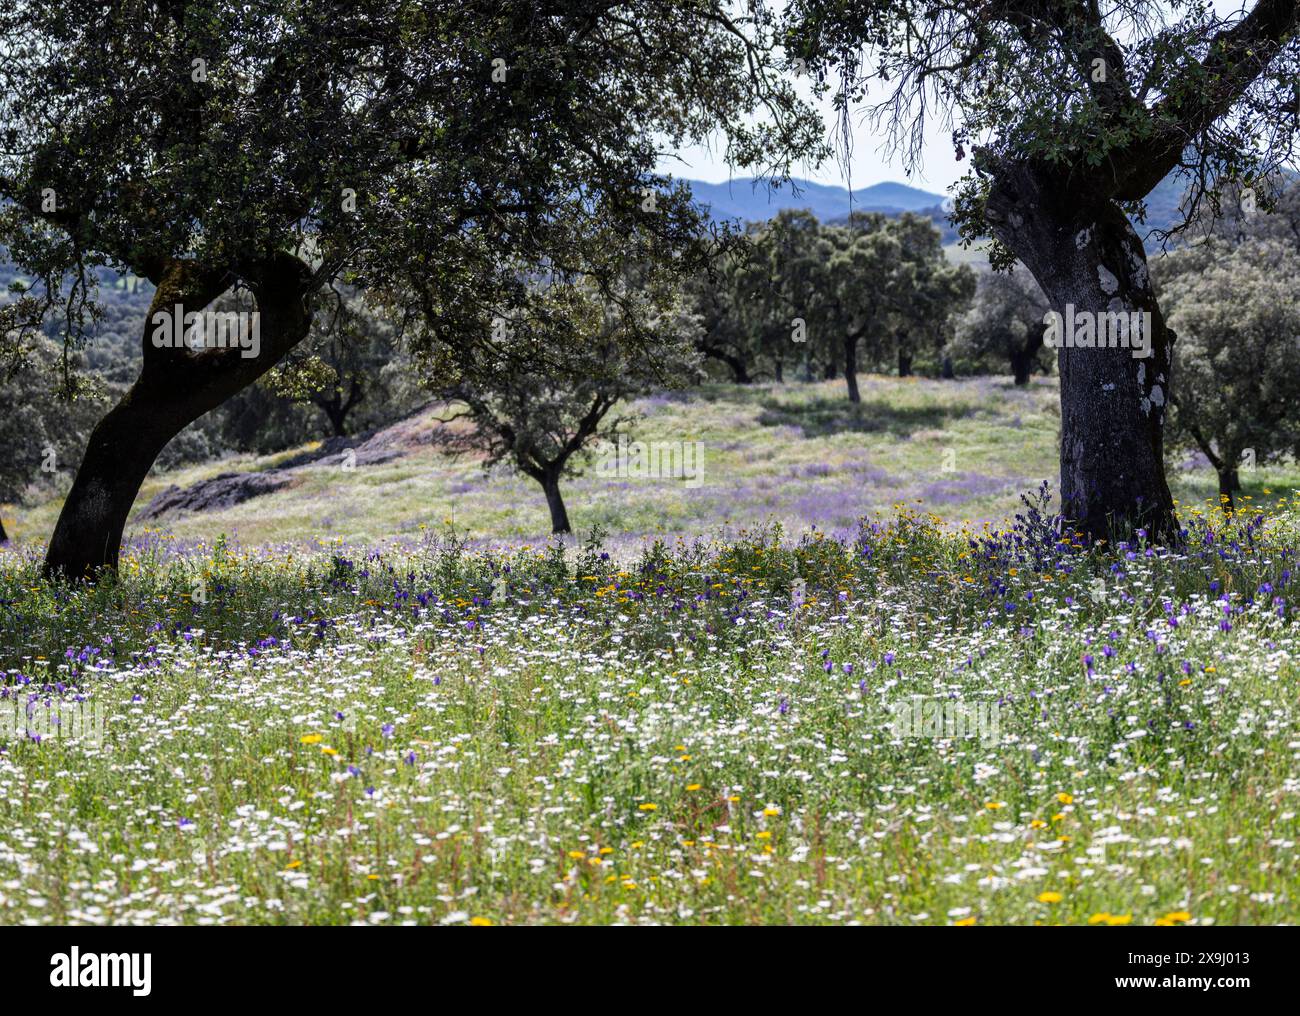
(870, 163)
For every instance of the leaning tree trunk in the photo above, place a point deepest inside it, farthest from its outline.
(1089, 260)
(559, 516)
(851, 367)
(175, 388)
(4, 537)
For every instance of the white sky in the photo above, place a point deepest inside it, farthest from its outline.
(871, 162)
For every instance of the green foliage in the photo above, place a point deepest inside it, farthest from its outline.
(377, 143)
(1117, 97)
(42, 433)
(877, 281)
(351, 367)
(1237, 317)
(1004, 325)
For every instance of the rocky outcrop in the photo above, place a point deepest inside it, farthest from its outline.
(230, 489)
(224, 491)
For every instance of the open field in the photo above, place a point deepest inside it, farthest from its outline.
(430, 731)
(796, 454)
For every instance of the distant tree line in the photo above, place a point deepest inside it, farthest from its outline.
(814, 301)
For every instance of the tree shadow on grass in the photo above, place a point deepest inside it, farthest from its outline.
(821, 417)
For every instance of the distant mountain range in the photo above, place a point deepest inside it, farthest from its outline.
(746, 199)
(749, 200)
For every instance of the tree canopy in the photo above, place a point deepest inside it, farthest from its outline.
(1072, 113)
(1126, 92)
(275, 146)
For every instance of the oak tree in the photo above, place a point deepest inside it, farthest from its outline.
(272, 148)
(1073, 112)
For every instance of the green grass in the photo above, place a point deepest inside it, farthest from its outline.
(431, 733)
(800, 455)
(796, 454)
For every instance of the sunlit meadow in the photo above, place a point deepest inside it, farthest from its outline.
(680, 729)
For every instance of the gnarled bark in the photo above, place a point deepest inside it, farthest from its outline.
(175, 388)
(1088, 259)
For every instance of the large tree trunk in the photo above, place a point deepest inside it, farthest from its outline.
(1088, 259)
(945, 371)
(559, 516)
(4, 537)
(851, 368)
(175, 388)
(904, 363)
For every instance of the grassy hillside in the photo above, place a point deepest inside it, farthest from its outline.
(797, 454)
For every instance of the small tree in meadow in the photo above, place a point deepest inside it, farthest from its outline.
(1005, 321)
(1237, 318)
(565, 356)
(350, 366)
(857, 289)
(788, 259)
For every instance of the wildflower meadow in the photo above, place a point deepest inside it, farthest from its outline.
(706, 731)
(507, 464)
